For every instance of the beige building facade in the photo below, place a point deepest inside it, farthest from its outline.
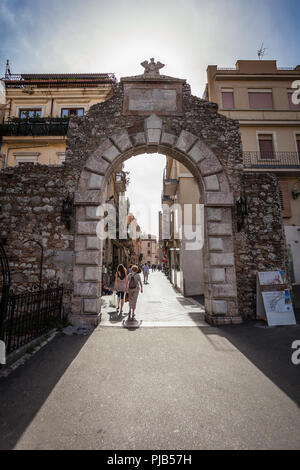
(37, 112)
(181, 194)
(263, 98)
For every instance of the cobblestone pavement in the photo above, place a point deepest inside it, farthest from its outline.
(159, 305)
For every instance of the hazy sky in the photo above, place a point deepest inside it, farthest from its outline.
(116, 35)
(144, 190)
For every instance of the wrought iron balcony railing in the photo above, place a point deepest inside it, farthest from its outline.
(271, 160)
(34, 129)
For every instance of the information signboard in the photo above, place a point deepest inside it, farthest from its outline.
(274, 303)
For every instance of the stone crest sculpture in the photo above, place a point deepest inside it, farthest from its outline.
(152, 68)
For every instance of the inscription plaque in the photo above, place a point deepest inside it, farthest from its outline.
(162, 97)
(145, 99)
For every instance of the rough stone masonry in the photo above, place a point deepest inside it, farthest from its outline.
(192, 131)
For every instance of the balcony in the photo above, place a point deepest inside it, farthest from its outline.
(166, 199)
(271, 161)
(169, 185)
(54, 127)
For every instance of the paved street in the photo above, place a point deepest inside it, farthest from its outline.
(159, 304)
(156, 388)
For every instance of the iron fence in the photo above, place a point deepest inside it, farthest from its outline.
(30, 315)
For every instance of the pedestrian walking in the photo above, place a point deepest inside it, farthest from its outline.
(121, 286)
(134, 285)
(146, 273)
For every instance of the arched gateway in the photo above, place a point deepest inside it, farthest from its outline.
(153, 113)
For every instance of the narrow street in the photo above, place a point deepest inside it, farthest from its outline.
(159, 304)
(181, 387)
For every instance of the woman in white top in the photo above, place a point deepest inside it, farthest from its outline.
(121, 286)
(134, 285)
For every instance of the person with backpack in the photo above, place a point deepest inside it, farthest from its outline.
(134, 285)
(121, 286)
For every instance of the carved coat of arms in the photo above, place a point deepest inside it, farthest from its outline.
(152, 68)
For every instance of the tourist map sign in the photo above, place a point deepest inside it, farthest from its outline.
(274, 303)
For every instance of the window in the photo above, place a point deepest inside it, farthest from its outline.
(266, 147)
(148, 244)
(285, 200)
(69, 112)
(291, 104)
(29, 113)
(26, 157)
(149, 252)
(61, 157)
(298, 144)
(227, 99)
(260, 99)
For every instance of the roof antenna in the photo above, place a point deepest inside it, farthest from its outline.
(261, 52)
(7, 70)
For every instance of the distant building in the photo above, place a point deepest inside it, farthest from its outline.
(149, 249)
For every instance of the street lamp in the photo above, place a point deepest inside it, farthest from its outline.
(241, 212)
(67, 211)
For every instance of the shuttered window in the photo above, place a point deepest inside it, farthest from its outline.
(260, 100)
(227, 100)
(285, 200)
(266, 146)
(298, 144)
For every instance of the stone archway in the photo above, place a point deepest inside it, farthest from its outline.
(219, 260)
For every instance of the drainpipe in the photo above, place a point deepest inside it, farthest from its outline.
(51, 111)
(9, 109)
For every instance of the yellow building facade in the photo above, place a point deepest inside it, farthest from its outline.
(37, 111)
(264, 99)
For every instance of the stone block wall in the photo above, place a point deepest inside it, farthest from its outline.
(260, 246)
(31, 199)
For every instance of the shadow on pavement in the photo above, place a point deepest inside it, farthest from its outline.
(25, 390)
(269, 349)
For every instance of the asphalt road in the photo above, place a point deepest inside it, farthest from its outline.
(156, 388)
